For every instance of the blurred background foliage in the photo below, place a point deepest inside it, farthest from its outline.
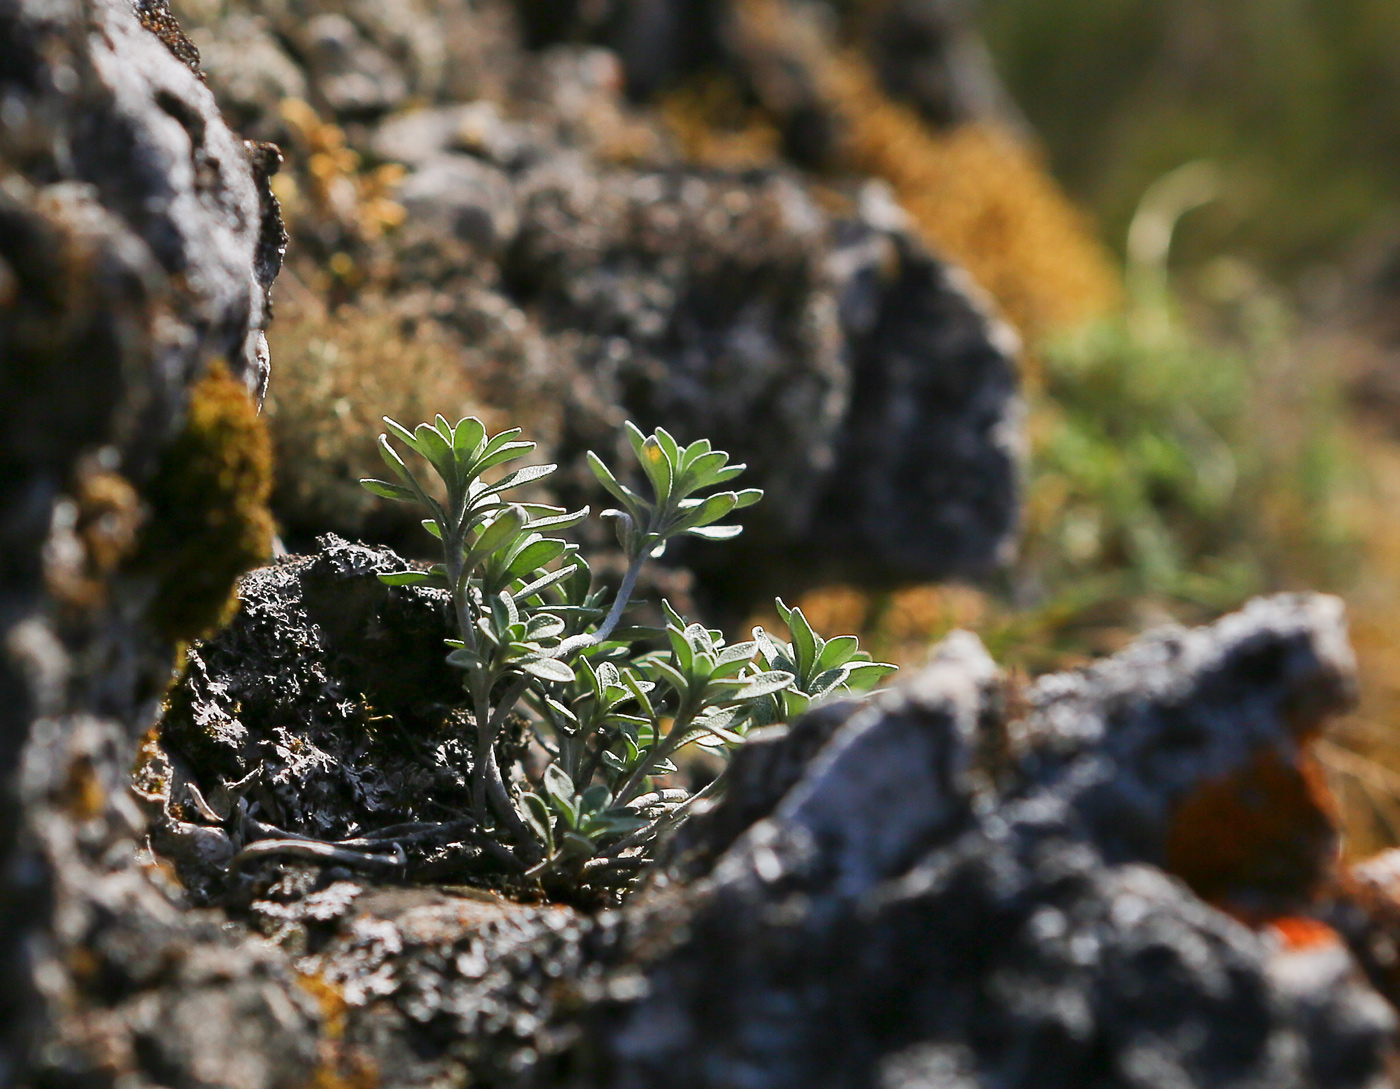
(1297, 100)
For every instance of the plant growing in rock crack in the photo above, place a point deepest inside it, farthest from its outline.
(610, 705)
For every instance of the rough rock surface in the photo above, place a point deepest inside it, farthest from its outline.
(138, 242)
(911, 890)
(591, 272)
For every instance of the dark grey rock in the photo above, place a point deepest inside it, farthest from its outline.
(951, 934)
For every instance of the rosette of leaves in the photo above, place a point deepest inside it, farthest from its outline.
(609, 706)
(822, 669)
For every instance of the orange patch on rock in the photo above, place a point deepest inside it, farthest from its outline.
(1298, 932)
(1267, 831)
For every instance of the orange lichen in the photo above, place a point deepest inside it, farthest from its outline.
(83, 795)
(106, 517)
(1298, 932)
(984, 199)
(1266, 831)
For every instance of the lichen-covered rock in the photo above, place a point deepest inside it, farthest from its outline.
(138, 242)
(326, 710)
(899, 920)
(916, 889)
(580, 271)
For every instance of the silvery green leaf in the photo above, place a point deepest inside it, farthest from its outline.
(665, 670)
(557, 783)
(696, 449)
(626, 530)
(623, 494)
(669, 447)
(826, 681)
(504, 614)
(595, 798)
(498, 442)
(406, 578)
(543, 626)
(657, 467)
(682, 648)
(560, 520)
(700, 472)
(725, 475)
(863, 675)
(613, 762)
(541, 820)
(838, 651)
(528, 475)
(716, 533)
(508, 452)
(640, 690)
(549, 669)
(804, 641)
(385, 490)
(433, 528)
(706, 511)
(402, 433)
(619, 822)
(468, 437)
(500, 530)
(635, 435)
(544, 582)
(763, 684)
(463, 659)
(535, 555)
(738, 652)
(437, 450)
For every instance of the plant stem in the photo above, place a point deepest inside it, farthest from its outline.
(461, 601)
(624, 594)
(488, 780)
(662, 749)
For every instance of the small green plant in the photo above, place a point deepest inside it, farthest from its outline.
(610, 705)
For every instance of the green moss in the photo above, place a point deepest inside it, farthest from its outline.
(209, 518)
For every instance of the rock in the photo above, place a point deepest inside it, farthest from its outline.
(250, 69)
(462, 197)
(955, 933)
(912, 889)
(866, 385)
(803, 328)
(138, 242)
(329, 707)
(353, 77)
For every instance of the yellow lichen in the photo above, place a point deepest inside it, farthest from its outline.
(716, 128)
(209, 517)
(335, 184)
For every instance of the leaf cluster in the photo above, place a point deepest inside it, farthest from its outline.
(609, 707)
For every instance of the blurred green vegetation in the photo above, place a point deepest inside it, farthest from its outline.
(1180, 464)
(1298, 101)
